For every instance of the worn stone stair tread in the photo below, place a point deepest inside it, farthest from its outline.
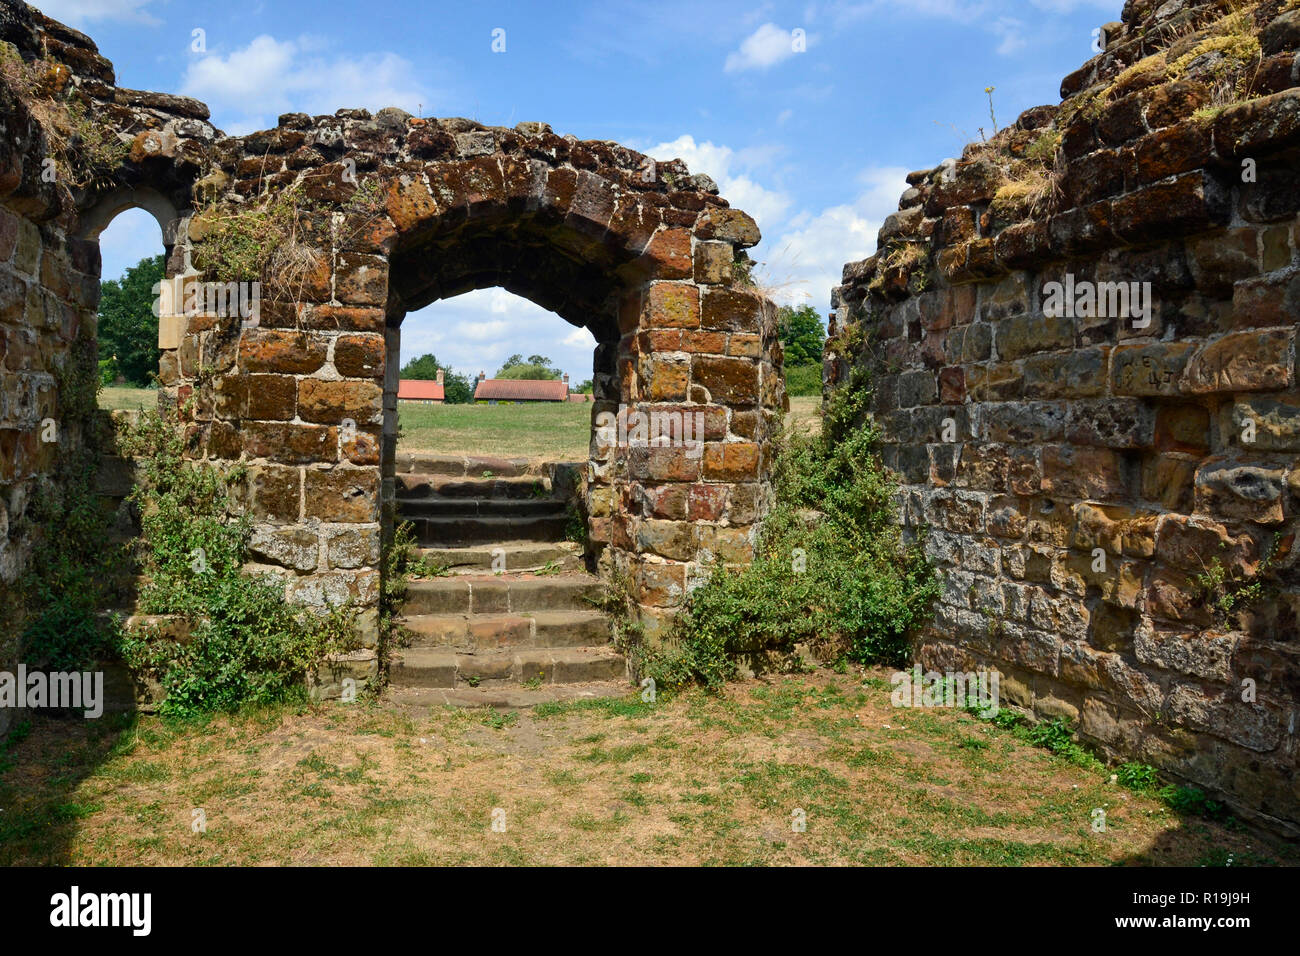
(505, 696)
(502, 593)
(465, 466)
(440, 667)
(517, 555)
(416, 487)
(439, 507)
(527, 629)
(450, 531)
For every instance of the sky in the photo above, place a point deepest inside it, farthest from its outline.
(807, 114)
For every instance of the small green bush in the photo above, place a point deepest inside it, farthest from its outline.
(1139, 777)
(248, 644)
(831, 566)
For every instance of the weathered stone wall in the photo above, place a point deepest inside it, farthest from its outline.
(1078, 472)
(395, 212)
(387, 213)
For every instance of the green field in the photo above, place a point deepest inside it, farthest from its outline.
(115, 398)
(555, 431)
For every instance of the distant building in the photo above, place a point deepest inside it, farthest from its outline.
(493, 390)
(422, 391)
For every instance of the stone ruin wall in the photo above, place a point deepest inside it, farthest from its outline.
(640, 252)
(1071, 434)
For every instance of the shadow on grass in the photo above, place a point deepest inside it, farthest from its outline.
(43, 762)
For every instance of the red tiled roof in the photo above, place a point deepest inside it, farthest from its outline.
(521, 390)
(418, 390)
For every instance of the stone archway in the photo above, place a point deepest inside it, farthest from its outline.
(383, 214)
(395, 212)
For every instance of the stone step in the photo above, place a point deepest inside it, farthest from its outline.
(503, 695)
(453, 531)
(435, 667)
(501, 594)
(426, 486)
(508, 556)
(465, 466)
(411, 509)
(479, 632)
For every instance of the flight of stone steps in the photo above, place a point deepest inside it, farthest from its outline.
(513, 622)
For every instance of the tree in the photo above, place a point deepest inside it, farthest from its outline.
(128, 327)
(535, 367)
(586, 387)
(802, 335)
(456, 388)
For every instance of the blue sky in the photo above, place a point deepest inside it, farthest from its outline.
(813, 142)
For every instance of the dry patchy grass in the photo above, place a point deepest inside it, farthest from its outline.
(691, 780)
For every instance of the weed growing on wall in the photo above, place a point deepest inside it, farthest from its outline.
(85, 152)
(247, 644)
(831, 568)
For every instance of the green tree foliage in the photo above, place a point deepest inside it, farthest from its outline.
(534, 368)
(128, 328)
(456, 387)
(803, 336)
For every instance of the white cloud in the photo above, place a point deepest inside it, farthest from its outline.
(766, 47)
(1012, 32)
(281, 76)
(725, 165)
(76, 12)
(474, 332)
(804, 262)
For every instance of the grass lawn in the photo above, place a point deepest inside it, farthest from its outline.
(127, 397)
(694, 779)
(555, 431)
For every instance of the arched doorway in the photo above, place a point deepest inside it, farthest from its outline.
(407, 212)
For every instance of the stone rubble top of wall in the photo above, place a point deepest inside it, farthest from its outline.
(1139, 156)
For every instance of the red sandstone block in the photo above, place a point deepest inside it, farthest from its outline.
(672, 305)
(332, 402)
(1169, 152)
(271, 350)
(705, 343)
(361, 279)
(359, 356)
(731, 461)
(670, 253)
(342, 494)
(1242, 362)
(1082, 472)
(731, 381)
(732, 310)
(1257, 125)
(1193, 202)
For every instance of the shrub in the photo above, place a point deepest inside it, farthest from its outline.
(248, 644)
(831, 568)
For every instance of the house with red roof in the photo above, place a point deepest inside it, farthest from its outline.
(493, 390)
(422, 391)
